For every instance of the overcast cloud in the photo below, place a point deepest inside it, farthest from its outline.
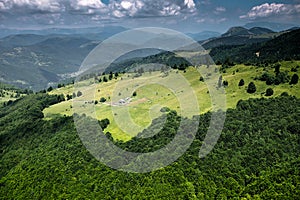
(191, 13)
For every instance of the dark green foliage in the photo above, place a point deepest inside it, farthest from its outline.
(277, 68)
(105, 79)
(104, 123)
(251, 88)
(50, 89)
(134, 94)
(201, 79)
(225, 83)
(102, 99)
(269, 92)
(69, 97)
(295, 79)
(256, 157)
(242, 82)
(79, 93)
(270, 79)
(165, 109)
(284, 47)
(110, 77)
(60, 85)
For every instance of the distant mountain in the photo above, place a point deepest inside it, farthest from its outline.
(284, 47)
(34, 61)
(270, 25)
(100, 32)
(239, 31)
(240, 36)
(203, 35)
(260, 31)
(236, 31)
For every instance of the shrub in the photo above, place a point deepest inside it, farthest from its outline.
(242, 82)
(102, 100)
(251, 88)
(295, 79)
(269, 92)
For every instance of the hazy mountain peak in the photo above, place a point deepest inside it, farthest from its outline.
(238, 30)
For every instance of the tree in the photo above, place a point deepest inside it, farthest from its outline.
(50, 89)
(295, 79)
(79, 93)
(242, 82)
(104, 123)
(201, 79)
(277, 68)
(102, 100)
(251, 88)
(105, 79)
(110, 76)
(134, 94)
(69, 97)
(225, 83)
(269, 92)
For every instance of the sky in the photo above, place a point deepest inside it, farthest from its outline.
(182, 15)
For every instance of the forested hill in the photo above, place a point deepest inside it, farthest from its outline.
(257, 156)
(283, 47)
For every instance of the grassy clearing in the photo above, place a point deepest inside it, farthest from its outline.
(155, 91)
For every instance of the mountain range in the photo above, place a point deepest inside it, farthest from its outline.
(38, 60)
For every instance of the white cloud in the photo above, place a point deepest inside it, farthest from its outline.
(189, 3)
(151, 8)
(38, 5)
(266, 10)
(84, 11)
(220, 9)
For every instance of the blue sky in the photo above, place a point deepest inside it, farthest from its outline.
(183, 15)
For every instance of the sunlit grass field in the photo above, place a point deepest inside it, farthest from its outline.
(155, 90)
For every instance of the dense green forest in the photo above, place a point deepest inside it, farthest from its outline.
(257, 156)
(283, 47)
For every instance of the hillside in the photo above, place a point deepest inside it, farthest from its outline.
(257, 156)
(36, 62)
(283, 47)
(148, 96)
(241, 36)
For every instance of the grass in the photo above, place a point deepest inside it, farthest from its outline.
(154, 91)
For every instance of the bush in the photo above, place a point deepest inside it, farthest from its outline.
(251, 88)
(102, 100)
(242, 82)
(295, 79)
(134, 94)
(164, 109)
(225, 83)
(269, 92)
(79, 93)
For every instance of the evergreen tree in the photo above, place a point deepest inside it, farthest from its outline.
(269, 92)
(295, 79)
(242, 82)
(251, 88)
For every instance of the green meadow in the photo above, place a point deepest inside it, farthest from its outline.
(177, 90)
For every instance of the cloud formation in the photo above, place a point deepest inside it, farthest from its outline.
(29, 5)
(117, 8)
(273, 9)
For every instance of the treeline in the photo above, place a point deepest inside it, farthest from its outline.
(284, 47)
(256, 157)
